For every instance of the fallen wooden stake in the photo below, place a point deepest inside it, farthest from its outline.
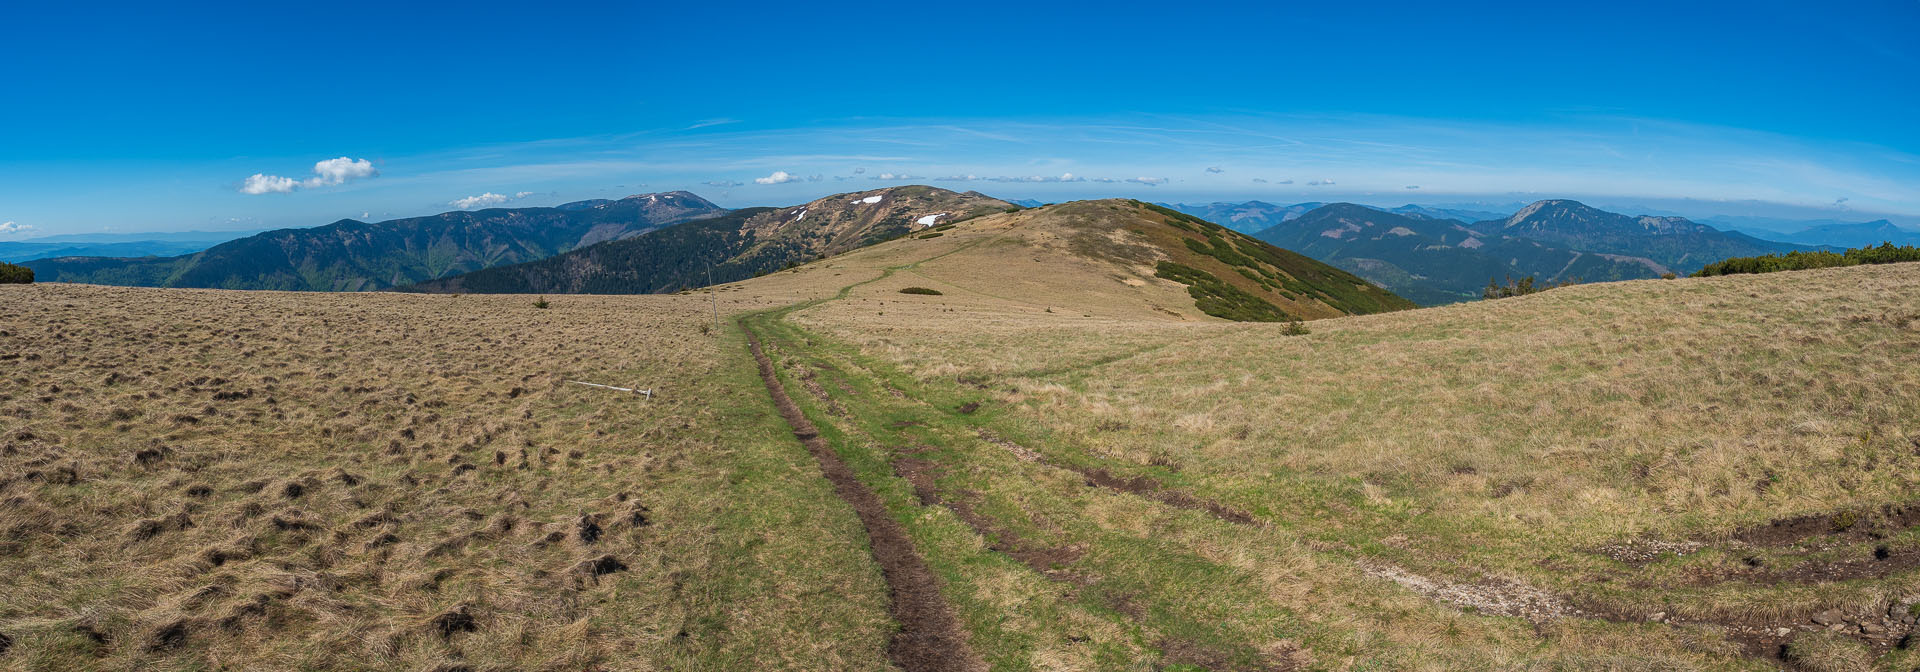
(649, 393)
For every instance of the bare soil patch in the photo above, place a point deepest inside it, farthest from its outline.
(1847, 524)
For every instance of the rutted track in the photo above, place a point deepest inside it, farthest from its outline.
(930, 638)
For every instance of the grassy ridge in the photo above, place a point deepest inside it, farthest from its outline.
(1266, 270)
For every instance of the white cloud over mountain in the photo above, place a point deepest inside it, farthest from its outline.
(330, 172)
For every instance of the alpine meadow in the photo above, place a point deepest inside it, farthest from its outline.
(617, 337)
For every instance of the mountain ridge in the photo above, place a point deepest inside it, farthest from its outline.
(350, 255)
(728, 247)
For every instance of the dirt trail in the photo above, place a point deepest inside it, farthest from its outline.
(1141, 486)
(930, 639)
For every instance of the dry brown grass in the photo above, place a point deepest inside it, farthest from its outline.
(197, 479)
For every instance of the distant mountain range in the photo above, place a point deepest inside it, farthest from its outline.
(1257, 216)
(115, 244)
(1834, 232)
(1433, 261)
(669, 241)
(349, 255)
(1675, 242)
(1247, 217)
(735, 246)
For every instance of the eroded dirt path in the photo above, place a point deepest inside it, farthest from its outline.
(929, 639)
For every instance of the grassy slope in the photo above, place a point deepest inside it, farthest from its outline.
(440, 421)
(1449, 443)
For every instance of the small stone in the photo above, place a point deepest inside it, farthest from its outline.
(1658, 616)
(1783, 632)
(1837, 627)
(1828, 617)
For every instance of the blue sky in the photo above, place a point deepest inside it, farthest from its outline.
(133, 118)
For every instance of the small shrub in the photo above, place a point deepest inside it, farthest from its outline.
(1668, 276)
(920, 290)
(935, 234)
(1296, 328)
(541, 304)
(1845, 520)
(1521, 287)
(11, 274)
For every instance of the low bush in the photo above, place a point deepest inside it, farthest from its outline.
(920, 290)
(541, 304)
(15, 275)
(1219, 299)
(1886, 253)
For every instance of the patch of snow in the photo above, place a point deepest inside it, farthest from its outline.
(870, 200)
(802, 213)
(1400, 231)
(929, 219)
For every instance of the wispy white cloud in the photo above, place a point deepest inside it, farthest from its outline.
(11, 228)
(778, 177)
(703, 123)
(1149, 181)
(480, 201)
(268, 184)
(1063, 177)
(722, 183)
(1215, 169)
(330, 172)
(490, 198)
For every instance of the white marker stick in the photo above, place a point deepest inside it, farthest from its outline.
(649, 393)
